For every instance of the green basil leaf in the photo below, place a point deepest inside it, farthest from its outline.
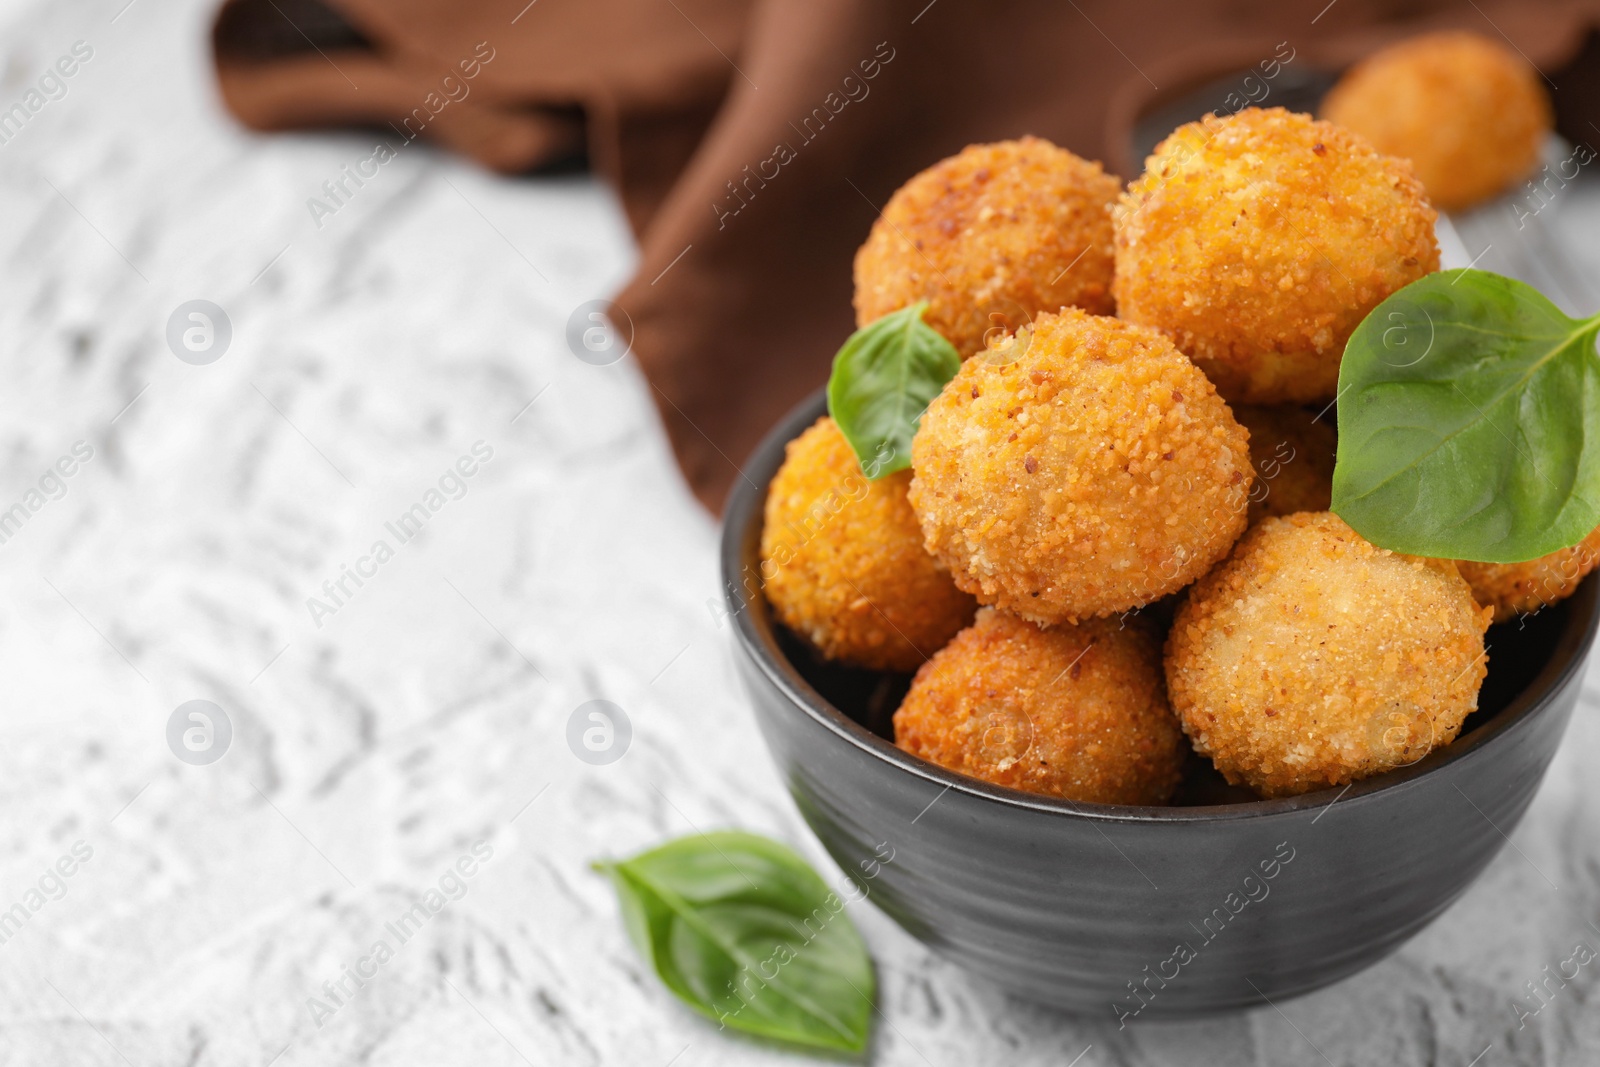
(1465, 401)
(743, 931)
(883, 380)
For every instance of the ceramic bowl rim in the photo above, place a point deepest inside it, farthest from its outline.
(745, 507)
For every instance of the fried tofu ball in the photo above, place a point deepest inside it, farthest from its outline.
(1468, 112)
(1313, 658)
(1293, 452)
(842, 561)
(1513, 589)
(1080, 468)
(1258, 243)
(1072, 711)
(990, 238)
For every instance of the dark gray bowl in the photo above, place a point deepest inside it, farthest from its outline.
(1137, 912)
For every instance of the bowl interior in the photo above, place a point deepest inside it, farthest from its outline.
(1528, 657)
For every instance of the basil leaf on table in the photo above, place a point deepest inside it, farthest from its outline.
(883, 379)
(1469, 422)
(743, 931)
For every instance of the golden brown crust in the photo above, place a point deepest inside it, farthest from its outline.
(1293, 451)
(1083, 468)
(1468, 112)
(991, 237)
(1073, 711)
(1313, 658)
(1512, 589)
(842, 561)
(1258, 242)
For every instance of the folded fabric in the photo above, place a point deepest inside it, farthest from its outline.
(753, 141)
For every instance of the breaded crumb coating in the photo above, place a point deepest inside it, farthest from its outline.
(991, 237)
(1258, 243)
(842, 562)
(1468, 112)
(1072, 711)
(1313, 658)
(1082, 468)
(1513, 589)
(1293, 452)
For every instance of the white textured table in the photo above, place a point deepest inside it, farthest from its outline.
(426, 709)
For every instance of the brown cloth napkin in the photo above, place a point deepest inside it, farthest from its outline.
(753, 141)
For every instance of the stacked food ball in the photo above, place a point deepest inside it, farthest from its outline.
(987, 238)
(1467, 111)
(843, 563)
(1260, 242)
(1080, 468)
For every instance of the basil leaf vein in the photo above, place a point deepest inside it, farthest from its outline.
(1464, 403)
(726, 920)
